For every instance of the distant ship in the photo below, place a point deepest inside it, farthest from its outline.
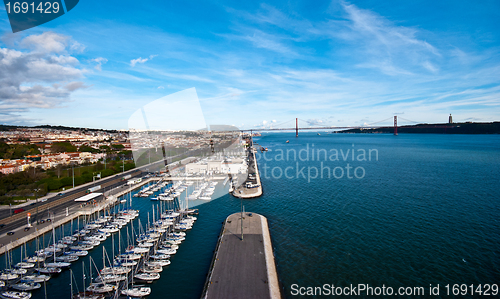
(262, 149)
(288, 141)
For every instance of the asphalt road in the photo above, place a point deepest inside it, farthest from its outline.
(57, 211)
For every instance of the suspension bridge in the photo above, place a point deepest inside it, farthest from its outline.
(310, 125)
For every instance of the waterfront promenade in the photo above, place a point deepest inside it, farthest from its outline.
(73, 211)
(243, 265)
(253, 177)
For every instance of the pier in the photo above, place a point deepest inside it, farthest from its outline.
(243, 265)
(252, 186)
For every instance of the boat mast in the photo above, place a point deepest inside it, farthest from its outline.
(83, 270)
(54, 236)
(71, 281)
(103, 259)
(119, 243)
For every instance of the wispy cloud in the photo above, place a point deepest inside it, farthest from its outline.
(133, 62)
(99, 61)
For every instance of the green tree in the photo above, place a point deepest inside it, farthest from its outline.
(67, 181)
(118, 146)
(61, 147)
(86, 148)
(54, 184)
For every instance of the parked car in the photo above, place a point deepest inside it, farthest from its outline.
(42, 221)
(27, 228)
(10, 233)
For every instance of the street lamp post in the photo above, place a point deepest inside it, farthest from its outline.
(36, 198)
(105, 160)
(96, 176)
(73, 168)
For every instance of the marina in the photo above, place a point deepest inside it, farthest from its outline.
(132, 261)
(146, 249)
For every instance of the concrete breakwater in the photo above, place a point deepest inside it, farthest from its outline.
(239, 269)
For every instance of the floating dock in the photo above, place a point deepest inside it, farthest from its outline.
(243, 264)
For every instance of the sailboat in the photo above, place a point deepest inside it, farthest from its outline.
(152, 268)
(49, 270)
(100, 287)
(85, 295)
(18, 271)
(36, 278)
(24, 265)
(158, 263)
(26, 286)
(5, 276)
(55, 263)
(137, 292)
(147, 277)
(15, 295)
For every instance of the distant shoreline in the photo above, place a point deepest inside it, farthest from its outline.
(453, 128)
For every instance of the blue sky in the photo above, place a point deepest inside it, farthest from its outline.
(256, 64)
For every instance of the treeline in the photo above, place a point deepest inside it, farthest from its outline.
(455, 128)
(61, 128)
(17, 151)
(22, 185)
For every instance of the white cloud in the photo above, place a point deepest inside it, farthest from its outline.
(46, 42)
(39, 77)
(77, 47)
(99, 62)
(133, 62)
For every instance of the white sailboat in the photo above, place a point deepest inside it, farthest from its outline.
(160, 263)
(147, 277)
(36, 278)
(137, 292)
(26, 286)
(15, 295)
(101, 288)
(6, 276)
